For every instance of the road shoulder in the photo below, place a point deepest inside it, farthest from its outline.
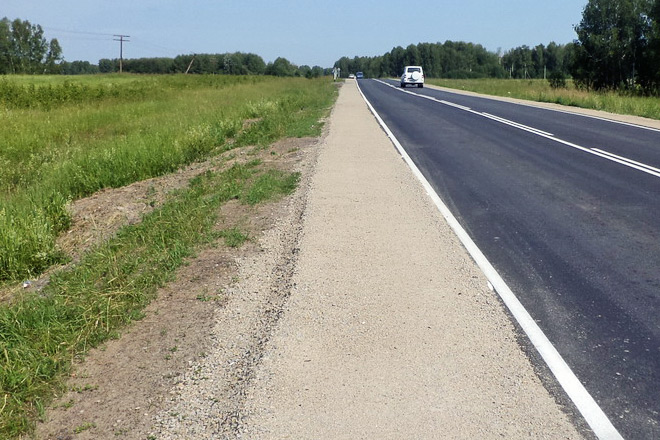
(390, 330)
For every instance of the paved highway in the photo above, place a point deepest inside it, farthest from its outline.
(567, 209)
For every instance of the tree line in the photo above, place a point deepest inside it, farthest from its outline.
(461, 60)
(236, 63)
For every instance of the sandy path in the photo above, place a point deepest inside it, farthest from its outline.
(390, 330)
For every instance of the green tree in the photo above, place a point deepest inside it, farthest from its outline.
(28, 47)
(108, 66)
(611, 43)
(5, 47)
(412, 56)
(23, 48)
(53, 56)
(281, 67)
(317, 71)
(649, 71)
(397, 61)
(254, 64)
(519, 63)
(78, 68)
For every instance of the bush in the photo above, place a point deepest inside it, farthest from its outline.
(557, 80)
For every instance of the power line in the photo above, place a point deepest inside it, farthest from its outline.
(152, 46)
(76, 32)
(90, 36)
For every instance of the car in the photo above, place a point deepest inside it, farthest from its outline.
(359, 75)
(351, 76)
(412, 75)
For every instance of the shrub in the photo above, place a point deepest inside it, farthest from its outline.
(557, 80)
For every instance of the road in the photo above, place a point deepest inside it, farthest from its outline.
(567, 209)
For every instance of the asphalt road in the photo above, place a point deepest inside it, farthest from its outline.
(567, 209)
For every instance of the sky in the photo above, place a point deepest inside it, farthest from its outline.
(304, 32)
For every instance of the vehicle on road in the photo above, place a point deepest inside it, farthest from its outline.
(412, 75)
(359, 75)
(351, 76)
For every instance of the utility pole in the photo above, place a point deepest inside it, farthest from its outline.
(121, 39)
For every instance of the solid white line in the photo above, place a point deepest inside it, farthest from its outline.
(585, 403)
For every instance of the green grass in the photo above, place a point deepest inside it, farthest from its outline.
(269, 185)
(71, 148)
(111, 143)
(540, 90)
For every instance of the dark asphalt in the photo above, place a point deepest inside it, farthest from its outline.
(573, 234)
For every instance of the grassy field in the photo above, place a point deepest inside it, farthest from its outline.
(540, 90)
(62, 140)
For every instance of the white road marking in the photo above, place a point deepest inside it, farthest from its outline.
(648, 169)
(451, 104)
(585, 403)
(517, 125)
(630, 161)
(568, 112)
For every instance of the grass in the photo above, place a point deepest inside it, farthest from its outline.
(99, 144)
(52, 154)
(270, 184)
(540, 90)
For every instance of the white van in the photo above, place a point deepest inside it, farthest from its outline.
(412, 75)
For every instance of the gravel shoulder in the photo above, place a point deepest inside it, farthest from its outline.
(391, 330)
(354, 314)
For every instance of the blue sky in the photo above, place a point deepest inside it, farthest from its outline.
(304, 32)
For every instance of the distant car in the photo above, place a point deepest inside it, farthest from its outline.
(412, 75)
(351, 76)
(359, 75)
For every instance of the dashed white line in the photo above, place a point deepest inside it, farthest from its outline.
(648, 169)
(517, 125)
